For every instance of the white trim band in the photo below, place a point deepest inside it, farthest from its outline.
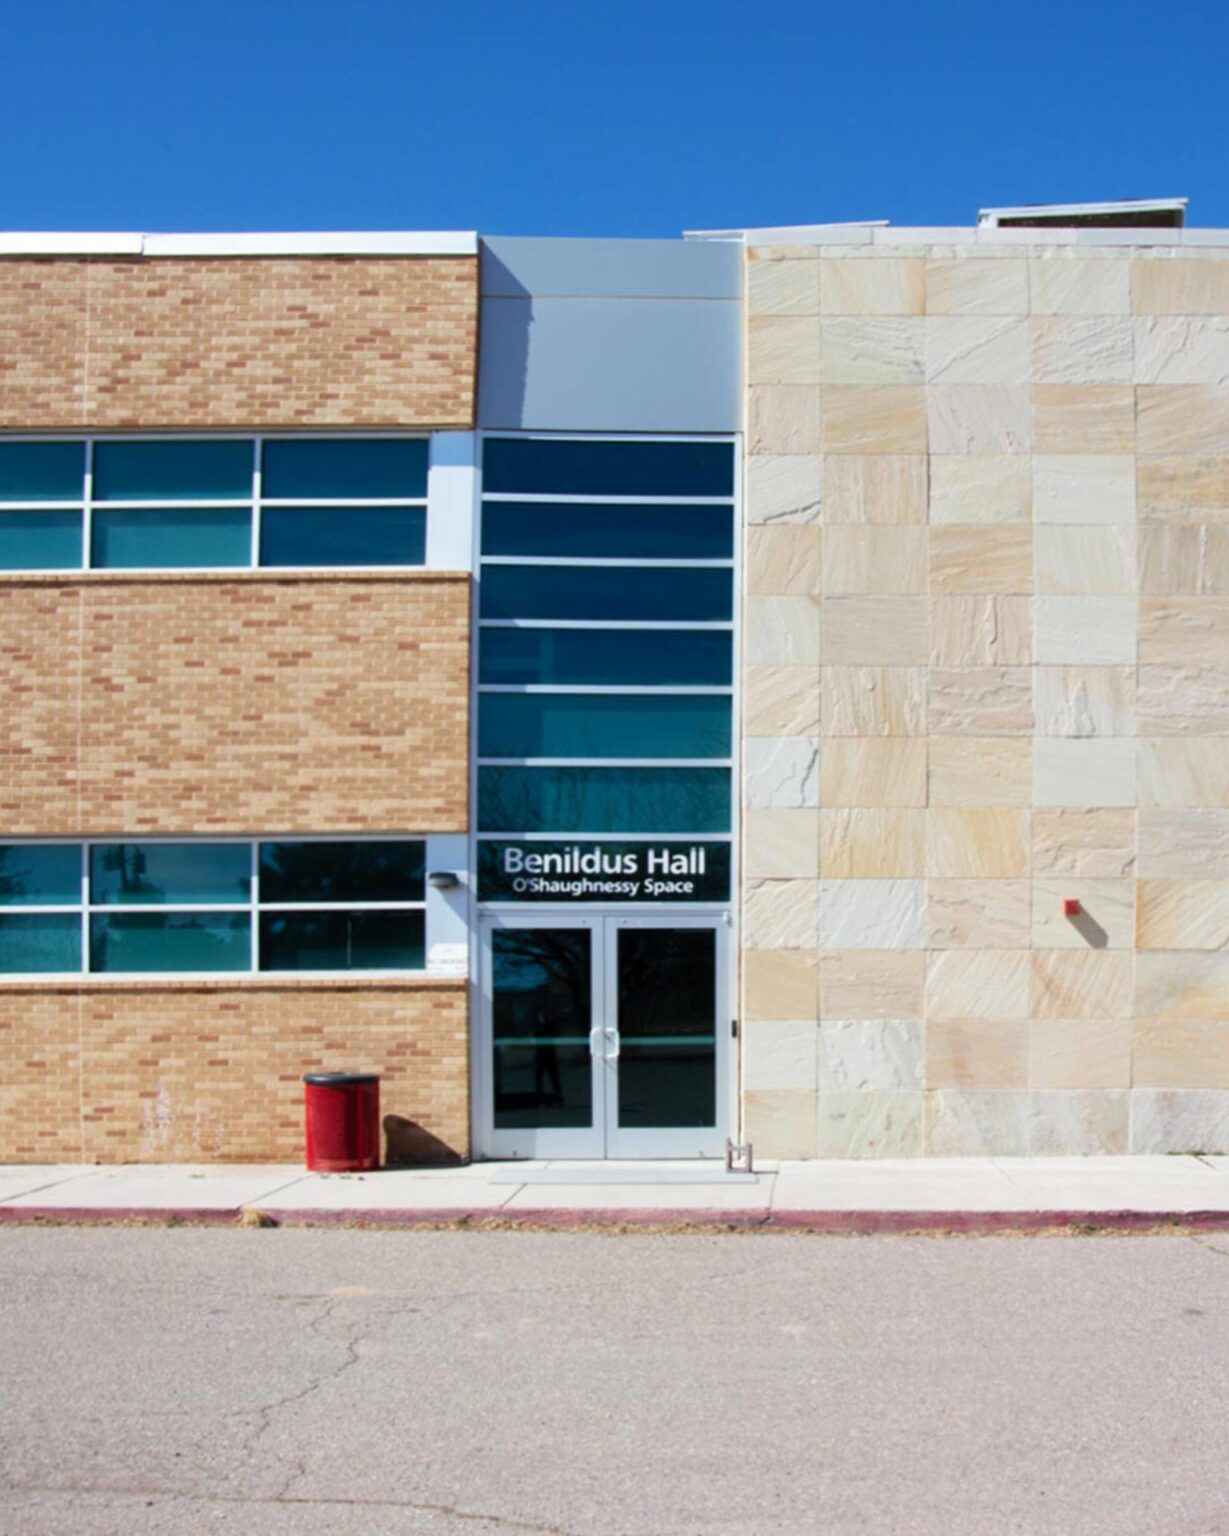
(378, 242)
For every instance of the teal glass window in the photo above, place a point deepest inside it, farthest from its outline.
(39, 941)
(608, 532)
(40, 541)
(40, 874)
(170, 942)
(606, 592)
(173, 471)
(164, 874)
(603, 799)
(361, 468)
(609, 657)
(342, 941)
(343, 535)
(171, 538)
(336, 871)
(42, 471)
(572, 467)
(603, 725)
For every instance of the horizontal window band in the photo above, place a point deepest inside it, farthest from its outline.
(610, 501)
(190, 504)
(683, 838)
(224, 840)
(155, 909)
(171, 979)
(622, 562)
(203, 876)
(713, 690)
(647, 624)
(605, 762)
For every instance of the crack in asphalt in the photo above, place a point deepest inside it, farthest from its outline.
(265, 1412)
(1208, 1246)
(423, 1506)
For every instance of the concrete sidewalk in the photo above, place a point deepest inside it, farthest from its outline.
(941, 1194)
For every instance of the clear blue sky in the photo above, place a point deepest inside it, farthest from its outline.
(617, 117)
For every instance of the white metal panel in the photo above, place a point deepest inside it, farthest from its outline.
(452, 499)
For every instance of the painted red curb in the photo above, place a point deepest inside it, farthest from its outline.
(864, 1222)
(115, 1215)
(992, 1221)
(548, 1216)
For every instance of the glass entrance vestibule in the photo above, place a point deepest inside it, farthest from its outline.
(604, 844)
(604, 1036)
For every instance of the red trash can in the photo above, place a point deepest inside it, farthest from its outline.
(342, 1114)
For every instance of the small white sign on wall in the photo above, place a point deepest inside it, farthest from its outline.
(448, 959)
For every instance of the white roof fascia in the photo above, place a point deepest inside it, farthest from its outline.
(989, 217)
(377, 242)
(68, 243)
(311, 243)
(792, 234)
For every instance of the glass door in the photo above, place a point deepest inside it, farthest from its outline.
(541, 1094)
(603, 1037)
(667, 1037)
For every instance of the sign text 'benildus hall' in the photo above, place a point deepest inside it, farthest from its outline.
(542, 871)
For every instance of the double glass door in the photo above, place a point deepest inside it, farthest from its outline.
(603, 1036)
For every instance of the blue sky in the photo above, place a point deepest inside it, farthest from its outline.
(617, 118)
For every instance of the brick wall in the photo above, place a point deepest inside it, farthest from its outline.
(192, 1072)
(237, 703)
(229, 342)
(987, 669)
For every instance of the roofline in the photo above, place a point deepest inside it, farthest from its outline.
(991, 216)
(380, 242)
(792, 232)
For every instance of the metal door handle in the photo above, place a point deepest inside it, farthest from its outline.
(613, 1034)
(594, 1033)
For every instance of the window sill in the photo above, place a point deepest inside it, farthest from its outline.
(286, 575)
(284, 981)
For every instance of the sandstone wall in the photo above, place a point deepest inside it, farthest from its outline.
(986, 670)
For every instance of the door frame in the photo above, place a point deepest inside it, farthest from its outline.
(668, 1141)
(533, 1142)
(604, 1140)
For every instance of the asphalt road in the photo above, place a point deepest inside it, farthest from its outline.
(583, 1385)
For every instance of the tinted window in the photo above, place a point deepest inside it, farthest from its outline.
(42, 471)
(341, 467)
(648, 657)
(603, 725)
(603, 800)
(40, 941)
(171, 538)
(606, 592)
(162, 874)
(341, 941)
(575, 468)
(595, 532)
(203, 471)
(170, 941)
(384, 871)
(40, 874)
(40, 541)
(343, 535)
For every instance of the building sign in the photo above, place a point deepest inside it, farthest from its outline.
(570, 871)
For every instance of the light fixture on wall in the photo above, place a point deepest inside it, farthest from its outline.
(443, 879)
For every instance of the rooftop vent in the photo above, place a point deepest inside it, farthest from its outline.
(1148, 213)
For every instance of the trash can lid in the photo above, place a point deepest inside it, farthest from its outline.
(340, 1079)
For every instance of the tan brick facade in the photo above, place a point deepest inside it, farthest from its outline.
(211, 1072)
(239, 703)
(233, 342)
